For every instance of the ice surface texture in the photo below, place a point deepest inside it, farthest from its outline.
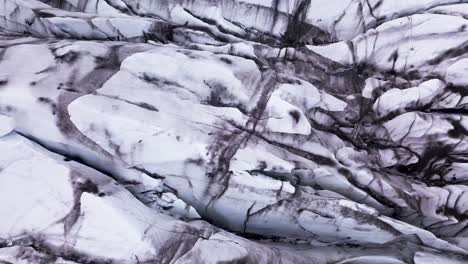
(234, 131)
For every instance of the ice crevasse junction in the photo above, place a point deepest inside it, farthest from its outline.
(234, 131)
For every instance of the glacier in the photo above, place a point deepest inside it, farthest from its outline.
(234, 131)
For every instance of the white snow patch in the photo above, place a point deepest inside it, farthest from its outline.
(338, 51)
(7, 124)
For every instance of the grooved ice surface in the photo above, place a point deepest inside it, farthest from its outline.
(233, 131)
